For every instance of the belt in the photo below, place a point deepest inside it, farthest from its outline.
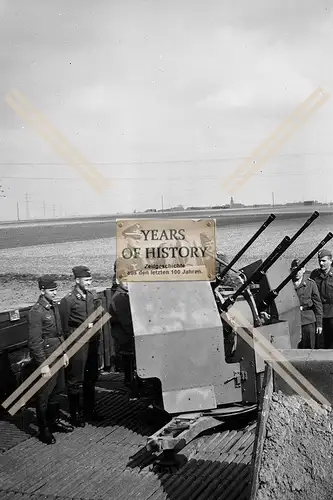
(74, 325)
(306, 308)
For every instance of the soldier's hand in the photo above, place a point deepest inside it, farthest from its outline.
(45, 371)
(66, 360)
(319, 330)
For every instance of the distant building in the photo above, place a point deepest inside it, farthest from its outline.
(309, 202)
(235, 205)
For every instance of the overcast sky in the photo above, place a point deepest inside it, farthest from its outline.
(166, 97)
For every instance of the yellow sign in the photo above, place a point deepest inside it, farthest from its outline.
(166, 250)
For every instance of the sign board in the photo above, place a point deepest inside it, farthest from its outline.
(166, 250)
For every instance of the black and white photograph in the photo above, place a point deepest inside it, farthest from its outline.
(123, 118)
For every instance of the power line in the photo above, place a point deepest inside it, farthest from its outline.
(176, 176)
(152, 162)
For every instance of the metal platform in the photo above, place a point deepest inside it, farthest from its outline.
(110, 462)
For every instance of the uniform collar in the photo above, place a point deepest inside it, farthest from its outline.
(44, 302)
(120, 288)
(79, 294)
(302, 283)
(323, 275)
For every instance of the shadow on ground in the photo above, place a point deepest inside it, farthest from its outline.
(112, 403)
(209, 467)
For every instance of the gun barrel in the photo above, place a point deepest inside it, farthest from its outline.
(274, 293)
(262, 228)
(290, 240)
(306, 224)
(283, 245)
(268, 262)
(277, 252)
(221, 261)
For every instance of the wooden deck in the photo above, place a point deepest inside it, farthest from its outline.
(109, 461)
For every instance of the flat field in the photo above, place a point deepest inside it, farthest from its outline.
(21, 265)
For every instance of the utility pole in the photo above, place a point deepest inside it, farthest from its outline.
(18, 210)
(162, 201)
(27, 201)
(44, 208)
(53, 208)
(273, 201)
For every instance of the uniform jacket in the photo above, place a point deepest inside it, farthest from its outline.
(45, 331)
(310, 303)
(121, 317)
(325, 287)
(75, 309)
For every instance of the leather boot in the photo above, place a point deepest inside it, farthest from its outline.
(128, 370)
(55, 424)
(76, 419)
(45, 435)
(130, 380)
(90, 412)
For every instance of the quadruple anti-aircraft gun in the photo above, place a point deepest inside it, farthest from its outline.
(194, 351)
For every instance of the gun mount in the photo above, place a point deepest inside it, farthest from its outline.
(190, 359)
(248, 244)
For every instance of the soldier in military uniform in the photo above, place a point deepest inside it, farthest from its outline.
(44, 337)
(324, 280)
(82, 372)
(114, 282)
(310, 305)
(122, 328)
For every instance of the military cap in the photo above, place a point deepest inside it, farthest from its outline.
(324, 253)
(132, 231)
(295, 263)
(81, 272)
(47, 281)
